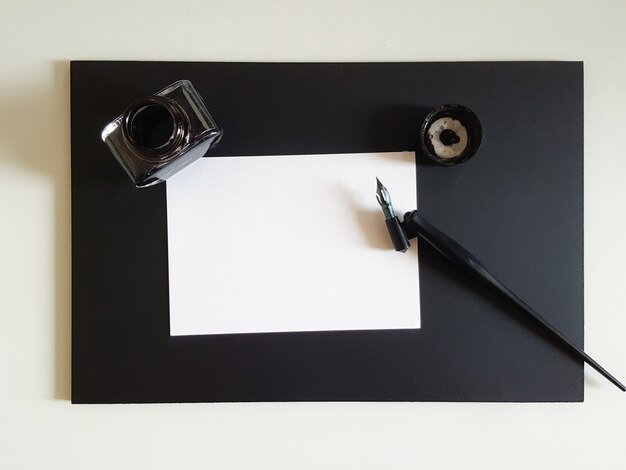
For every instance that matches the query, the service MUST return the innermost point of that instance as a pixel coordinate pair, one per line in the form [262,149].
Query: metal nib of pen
[382,195]
[396,232]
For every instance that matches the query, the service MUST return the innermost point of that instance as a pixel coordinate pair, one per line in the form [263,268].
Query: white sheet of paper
[289,243]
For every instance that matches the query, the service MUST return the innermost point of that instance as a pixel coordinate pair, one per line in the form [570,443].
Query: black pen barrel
[415,225]
[397,235]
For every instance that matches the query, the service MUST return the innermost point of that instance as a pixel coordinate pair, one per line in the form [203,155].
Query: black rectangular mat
[518,205]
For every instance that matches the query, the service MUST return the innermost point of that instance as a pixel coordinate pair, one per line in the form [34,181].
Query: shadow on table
[35,134]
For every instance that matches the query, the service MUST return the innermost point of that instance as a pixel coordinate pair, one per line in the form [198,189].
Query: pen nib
[379,186]
[382,195]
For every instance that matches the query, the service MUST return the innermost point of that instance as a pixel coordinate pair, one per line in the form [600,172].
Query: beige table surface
[40,429]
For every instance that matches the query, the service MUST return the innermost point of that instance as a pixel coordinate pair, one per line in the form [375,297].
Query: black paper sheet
[517,205]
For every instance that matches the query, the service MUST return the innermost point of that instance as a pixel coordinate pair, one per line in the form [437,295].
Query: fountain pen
[414,225]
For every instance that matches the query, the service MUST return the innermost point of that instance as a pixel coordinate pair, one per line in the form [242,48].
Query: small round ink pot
[451,134]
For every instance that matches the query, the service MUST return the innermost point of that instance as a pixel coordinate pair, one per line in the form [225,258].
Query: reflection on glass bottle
[159,135]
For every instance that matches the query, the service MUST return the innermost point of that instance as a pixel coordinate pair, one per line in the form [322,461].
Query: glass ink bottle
[159,135]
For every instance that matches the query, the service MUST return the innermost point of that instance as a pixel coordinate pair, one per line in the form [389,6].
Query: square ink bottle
[159,135]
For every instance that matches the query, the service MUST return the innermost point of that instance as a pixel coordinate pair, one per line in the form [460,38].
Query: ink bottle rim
[174,143]
[469,120]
